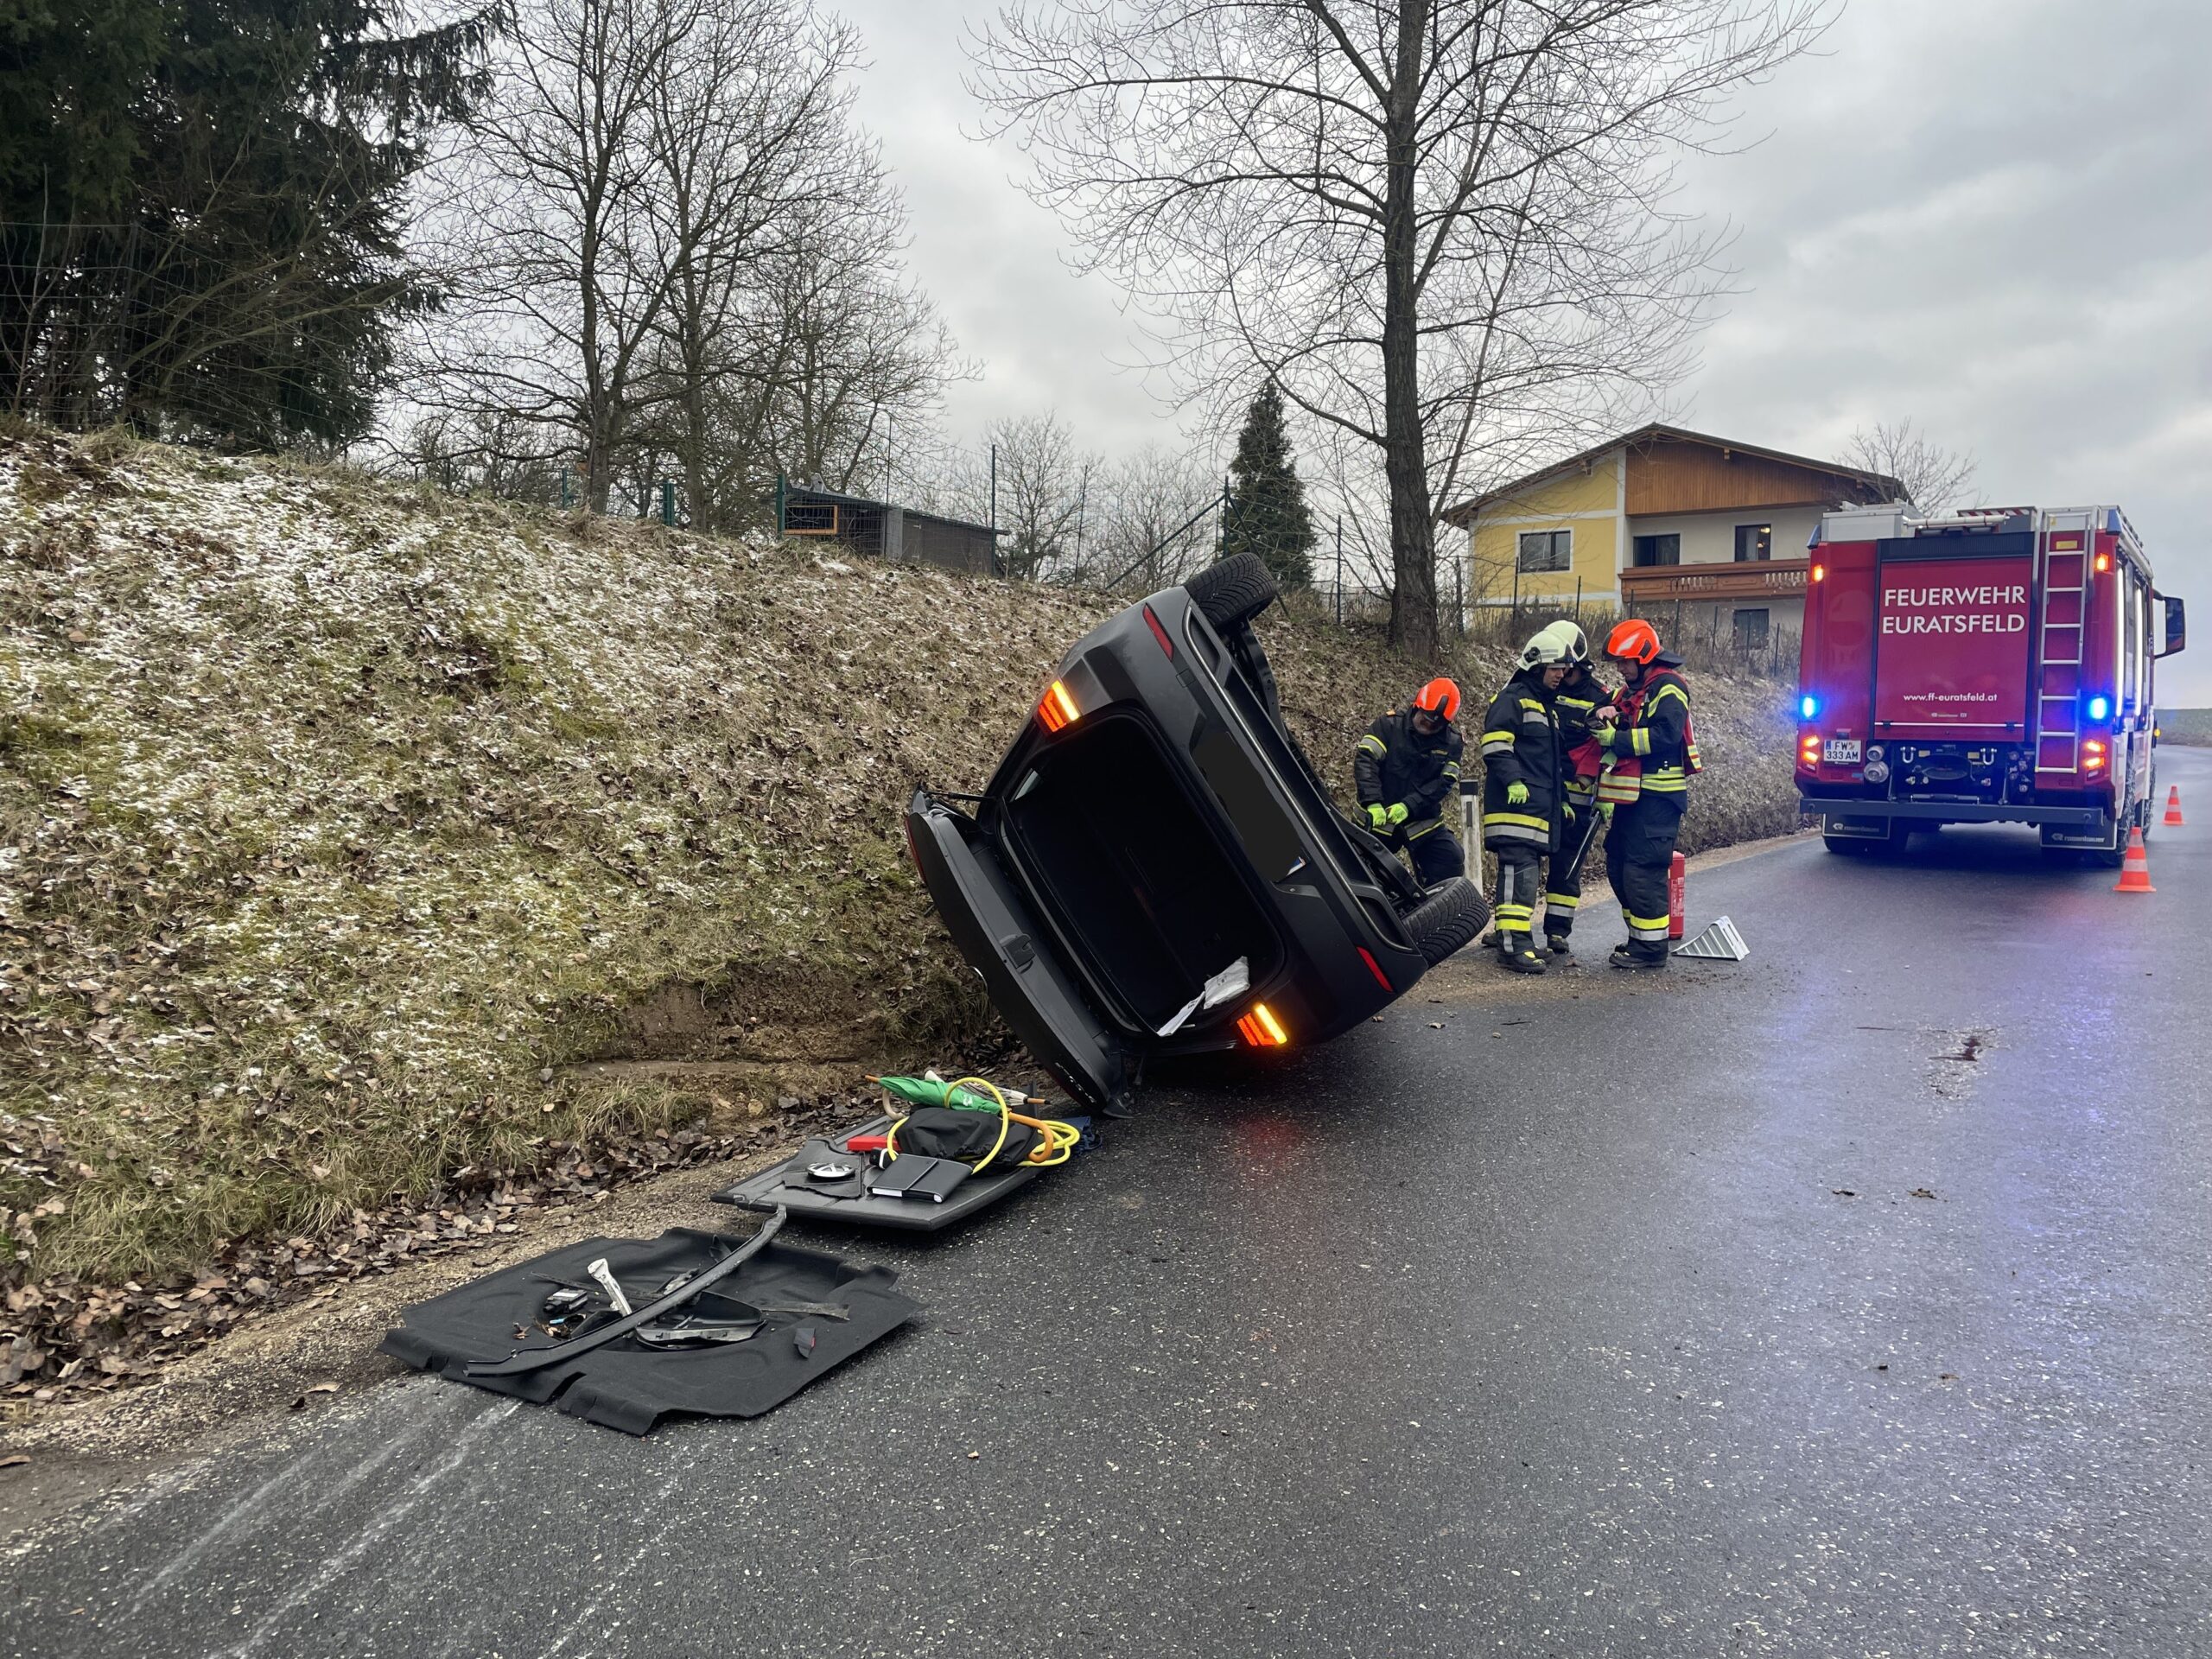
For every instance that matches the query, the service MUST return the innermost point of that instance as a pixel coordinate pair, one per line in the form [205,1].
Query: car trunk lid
[1034,991]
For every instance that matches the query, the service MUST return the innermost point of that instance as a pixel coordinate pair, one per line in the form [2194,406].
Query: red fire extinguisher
[1678,892]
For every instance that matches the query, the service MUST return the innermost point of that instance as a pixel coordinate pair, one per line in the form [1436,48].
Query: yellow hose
[1056,1146]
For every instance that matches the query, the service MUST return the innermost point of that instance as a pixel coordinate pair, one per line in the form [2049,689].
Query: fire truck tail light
[2093,755]
[1809,751]
[2104,563]
[1820,573]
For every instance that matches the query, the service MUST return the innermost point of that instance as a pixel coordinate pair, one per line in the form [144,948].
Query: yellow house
[1663,517]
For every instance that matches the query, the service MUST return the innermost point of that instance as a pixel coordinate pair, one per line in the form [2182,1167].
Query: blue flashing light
[2099,708]
[1808,706]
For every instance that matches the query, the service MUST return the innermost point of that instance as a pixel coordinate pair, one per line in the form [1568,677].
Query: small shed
[883,530]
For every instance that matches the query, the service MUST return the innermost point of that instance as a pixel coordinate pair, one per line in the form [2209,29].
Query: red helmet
[1633,641]
[1439,697]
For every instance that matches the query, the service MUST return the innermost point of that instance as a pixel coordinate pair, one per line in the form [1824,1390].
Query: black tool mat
[787,1185]
[628,1386]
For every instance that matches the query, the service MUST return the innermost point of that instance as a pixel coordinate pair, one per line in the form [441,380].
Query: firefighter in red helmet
[1406,768]
[1652,752]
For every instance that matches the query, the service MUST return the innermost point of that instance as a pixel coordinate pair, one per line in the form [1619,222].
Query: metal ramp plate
[1718,943]
[787,1184]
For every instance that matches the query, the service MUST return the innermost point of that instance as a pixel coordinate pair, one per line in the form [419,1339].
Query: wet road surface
[1851,1301]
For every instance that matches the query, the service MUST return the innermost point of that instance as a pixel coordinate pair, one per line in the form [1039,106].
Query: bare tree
[1438,224]
[1935,479]
[1044,484]
[675,253]
[1154,515]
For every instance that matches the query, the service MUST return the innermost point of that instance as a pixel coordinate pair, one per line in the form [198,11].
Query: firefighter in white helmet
[1521,793]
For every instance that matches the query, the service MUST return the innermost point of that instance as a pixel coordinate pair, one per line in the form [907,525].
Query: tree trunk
[1405,453]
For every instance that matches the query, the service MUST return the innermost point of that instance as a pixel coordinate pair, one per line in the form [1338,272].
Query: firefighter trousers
[1638,850]
[1434,851]
[1514,906]
[1563,887]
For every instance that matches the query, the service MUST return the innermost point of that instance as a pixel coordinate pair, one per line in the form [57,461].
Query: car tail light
[1057,707]
[1159,632]
[1261,1029]
[1374,967]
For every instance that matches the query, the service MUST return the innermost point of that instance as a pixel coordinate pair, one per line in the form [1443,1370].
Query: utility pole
[1340,570]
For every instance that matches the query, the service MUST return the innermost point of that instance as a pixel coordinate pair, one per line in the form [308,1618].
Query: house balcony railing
[1754,579]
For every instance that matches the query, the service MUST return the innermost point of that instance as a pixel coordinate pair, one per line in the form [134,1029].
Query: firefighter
[1521,793]
[1653,751]
[1582,696]
[1405,769]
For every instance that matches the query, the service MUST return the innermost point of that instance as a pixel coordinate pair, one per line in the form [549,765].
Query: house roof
[810,497]
[1464,510]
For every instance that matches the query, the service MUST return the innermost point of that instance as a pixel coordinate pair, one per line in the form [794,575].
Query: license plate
[1839,751]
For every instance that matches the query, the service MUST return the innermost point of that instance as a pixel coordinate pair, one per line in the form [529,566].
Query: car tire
[1232,593]
[1448,918]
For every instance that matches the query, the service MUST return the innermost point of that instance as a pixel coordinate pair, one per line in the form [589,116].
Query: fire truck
[1986,667]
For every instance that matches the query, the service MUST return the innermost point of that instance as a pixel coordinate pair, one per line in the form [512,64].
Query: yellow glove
[1378,816]
[1517,794]
[1398,813]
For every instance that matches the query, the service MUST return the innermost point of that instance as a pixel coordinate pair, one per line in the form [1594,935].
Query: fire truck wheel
[1844,845]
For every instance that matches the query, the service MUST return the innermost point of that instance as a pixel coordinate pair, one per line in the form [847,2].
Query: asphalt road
[1609,1318]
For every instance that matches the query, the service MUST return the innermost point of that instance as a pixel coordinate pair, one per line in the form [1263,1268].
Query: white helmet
[1545,649]
[1571,639]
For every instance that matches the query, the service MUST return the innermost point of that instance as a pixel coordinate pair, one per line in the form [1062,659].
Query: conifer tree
[1267,512]
[201,208]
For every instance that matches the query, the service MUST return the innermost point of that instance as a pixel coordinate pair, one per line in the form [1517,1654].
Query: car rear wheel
[1448,918]
[1232,593]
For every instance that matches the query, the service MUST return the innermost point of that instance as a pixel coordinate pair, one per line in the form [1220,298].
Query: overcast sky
[1993,217]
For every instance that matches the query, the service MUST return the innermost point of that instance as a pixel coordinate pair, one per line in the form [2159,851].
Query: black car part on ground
[524,1361]
[790,1186]
[630,1385]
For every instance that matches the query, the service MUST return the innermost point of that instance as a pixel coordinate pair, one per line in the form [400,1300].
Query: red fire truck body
[1991,666]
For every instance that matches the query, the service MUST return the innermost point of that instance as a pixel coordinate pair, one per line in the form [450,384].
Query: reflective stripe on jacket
[1520,746]
[1393,763]
[1654,746]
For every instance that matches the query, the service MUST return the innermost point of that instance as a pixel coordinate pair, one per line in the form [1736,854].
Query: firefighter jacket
[1521,745]
[1655,746]
[1581,694]
[1394,763]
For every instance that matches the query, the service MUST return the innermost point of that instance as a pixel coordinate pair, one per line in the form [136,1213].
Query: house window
[1754,541]
[1546,550]
[1750,630]
[1658,550]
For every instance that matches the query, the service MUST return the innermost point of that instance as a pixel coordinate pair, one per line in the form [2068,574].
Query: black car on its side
[1156,868]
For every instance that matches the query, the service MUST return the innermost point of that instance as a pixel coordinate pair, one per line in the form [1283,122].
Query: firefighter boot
[1641,956]
[1557,944]
[1519,953]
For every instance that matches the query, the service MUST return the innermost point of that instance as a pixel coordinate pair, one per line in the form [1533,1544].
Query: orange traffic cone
[2135,871]
[2172,820]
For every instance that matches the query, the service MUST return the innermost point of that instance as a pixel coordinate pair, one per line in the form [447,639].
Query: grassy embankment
[335,820]
[2192,727]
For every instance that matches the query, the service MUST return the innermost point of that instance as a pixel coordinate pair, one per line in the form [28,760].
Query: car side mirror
[2177,628]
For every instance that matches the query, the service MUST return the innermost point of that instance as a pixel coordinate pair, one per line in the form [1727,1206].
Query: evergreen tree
[202,204]
[1268,513]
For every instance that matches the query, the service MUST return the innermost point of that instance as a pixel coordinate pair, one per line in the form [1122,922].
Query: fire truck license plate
[1840,751]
